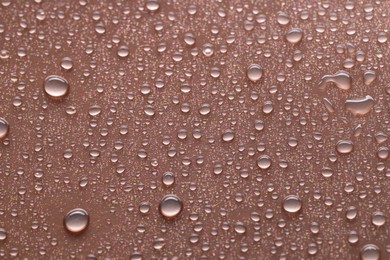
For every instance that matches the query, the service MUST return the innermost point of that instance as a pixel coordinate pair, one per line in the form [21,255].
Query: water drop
[292,204]
[168,179]
[152,5]
[56,87]
[369,77]
[344,146]
[254,72]
[264,162]
[378,218]
[76,221]
[3,234]
[228,135]
[294,35]
[67,63]
[370,252]
[170,206]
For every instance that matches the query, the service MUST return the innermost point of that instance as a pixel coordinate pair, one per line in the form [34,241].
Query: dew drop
[4,128]
[369,77]
[282,18]
[228,135]
[254,72]
[152,5]
[292,204]
[170,206]
[168,179]
[378,218]
[76,221]
[3,234]
[56,87]
[67,63]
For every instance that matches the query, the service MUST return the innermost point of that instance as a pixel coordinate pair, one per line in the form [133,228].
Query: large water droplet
[56,87]
[292,204]
[228,135]
[254,72]
[170,206]
[264,162]
[4,128]
[359,106]
[76,221]
[370,252]
[342,79]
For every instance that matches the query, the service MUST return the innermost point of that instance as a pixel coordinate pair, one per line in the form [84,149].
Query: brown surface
[32,209]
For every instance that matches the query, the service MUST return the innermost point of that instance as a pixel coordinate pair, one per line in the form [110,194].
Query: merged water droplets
[170,206]
[56,87]
[359,106]
[76,221]
[341,79]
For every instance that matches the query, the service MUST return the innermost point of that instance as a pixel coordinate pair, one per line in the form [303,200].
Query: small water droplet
[168,179]
[228,135]
[56,87]
[369,77]
[344,146]
[264,162]
[66,63]
[294,35]
[76,221]
[3,234]
[152,5]
[170,206]
[378,218]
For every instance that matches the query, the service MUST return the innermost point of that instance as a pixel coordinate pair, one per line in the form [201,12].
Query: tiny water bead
[292,204]
[170,206]
[56,87]
[76,220]
[4,128]
[344,146]
[254,72]
[370,252]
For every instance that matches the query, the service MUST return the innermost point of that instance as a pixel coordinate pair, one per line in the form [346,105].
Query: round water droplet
[56,87]
[370,252]
[264,162]
[254,72]
[4,128]
[170,206]
[282,18]
[292,204]
[344,146]
[76,221]
[294,35]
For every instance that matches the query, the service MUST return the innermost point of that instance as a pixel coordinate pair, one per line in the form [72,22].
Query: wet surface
[194,129]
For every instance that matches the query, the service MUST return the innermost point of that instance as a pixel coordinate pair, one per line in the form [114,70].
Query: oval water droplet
[170,206]
[3,234]
[359,106]
[369,77]
[56,86]
[228,135]
[344,146]
[264,162]
[67,63]
[76,221]
[168,179]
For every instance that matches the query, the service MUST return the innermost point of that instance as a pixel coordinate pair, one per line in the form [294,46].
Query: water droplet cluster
[194,129]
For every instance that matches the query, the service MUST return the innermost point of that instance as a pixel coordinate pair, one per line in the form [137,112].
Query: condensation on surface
[234,129]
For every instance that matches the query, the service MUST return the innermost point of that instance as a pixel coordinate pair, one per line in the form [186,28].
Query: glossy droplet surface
[292,204]
[67,63]
[359,106]
[170,206]
[264,162]
[254,72]
[168,179]
[56,87]
[4,128]
[3,234]
[76,220]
